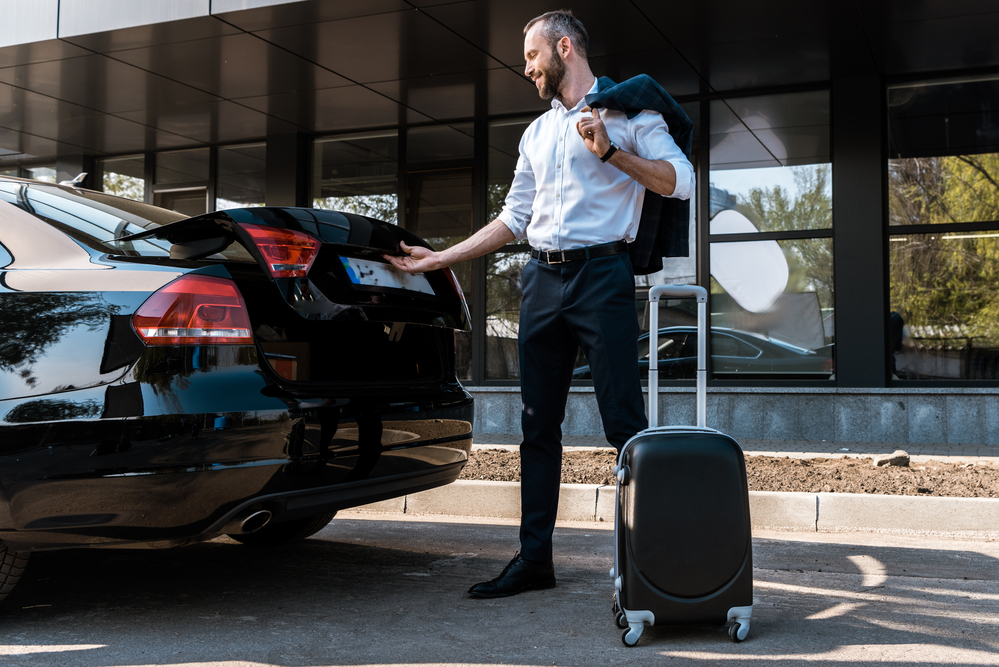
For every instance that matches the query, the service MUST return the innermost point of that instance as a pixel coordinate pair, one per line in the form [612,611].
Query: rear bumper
[170,479]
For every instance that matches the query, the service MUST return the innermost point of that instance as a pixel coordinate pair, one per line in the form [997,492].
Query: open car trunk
[342,313]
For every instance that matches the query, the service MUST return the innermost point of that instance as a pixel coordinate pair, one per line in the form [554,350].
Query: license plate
[378,274]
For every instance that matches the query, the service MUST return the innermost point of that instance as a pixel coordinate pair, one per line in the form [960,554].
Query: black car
[734,354]
[248,372]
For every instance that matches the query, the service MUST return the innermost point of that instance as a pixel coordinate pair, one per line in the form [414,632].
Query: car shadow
[375,592]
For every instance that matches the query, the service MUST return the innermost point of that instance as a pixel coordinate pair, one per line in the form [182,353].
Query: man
[577,197]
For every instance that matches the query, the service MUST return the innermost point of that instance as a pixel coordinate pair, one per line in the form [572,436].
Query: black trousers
[588,304]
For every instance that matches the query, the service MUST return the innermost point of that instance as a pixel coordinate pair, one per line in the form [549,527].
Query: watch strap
[610,151]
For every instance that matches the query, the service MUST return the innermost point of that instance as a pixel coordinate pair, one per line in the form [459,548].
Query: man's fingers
[596,114]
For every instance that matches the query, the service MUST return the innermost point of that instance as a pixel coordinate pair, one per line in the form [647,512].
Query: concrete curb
[803,512]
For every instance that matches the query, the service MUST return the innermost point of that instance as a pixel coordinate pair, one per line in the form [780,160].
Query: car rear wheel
[285,532]
[12,566]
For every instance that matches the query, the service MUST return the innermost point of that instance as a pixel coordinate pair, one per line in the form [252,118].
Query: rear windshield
[98,221]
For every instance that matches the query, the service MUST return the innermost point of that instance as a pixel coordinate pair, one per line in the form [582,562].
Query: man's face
[544,64]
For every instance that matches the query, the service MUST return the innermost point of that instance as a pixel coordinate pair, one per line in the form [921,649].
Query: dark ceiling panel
[498,27]
[103,84]
[37,52]
[333,110]
[202,27]
[759,63]
[73,128]
[232,66]
[281,15]
[907,11]
[386,47]
[29,145]
[665,66]
[213,122]
[722,21]
[454,95]
[920,46]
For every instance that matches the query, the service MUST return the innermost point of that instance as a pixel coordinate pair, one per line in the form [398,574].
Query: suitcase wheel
[631,635]
[737,632]
[621,620]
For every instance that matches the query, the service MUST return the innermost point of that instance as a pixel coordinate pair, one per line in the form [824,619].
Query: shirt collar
[582,102]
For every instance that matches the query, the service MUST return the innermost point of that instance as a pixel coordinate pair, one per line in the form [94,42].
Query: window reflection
[943,179]
[242,176]
[801,315]
[125,177]
[358,173]
[772,284]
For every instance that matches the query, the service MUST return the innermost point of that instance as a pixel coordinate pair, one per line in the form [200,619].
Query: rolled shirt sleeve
[519,205]
[652,141]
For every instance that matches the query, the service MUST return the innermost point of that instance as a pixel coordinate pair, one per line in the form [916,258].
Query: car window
[675,346]
[98,221]
[723,345]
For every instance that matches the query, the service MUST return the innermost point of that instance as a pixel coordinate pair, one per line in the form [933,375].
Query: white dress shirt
[564,197]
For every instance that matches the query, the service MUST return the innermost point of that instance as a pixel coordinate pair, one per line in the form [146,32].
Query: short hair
[559,24]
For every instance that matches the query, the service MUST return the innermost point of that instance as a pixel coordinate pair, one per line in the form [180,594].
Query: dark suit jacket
[663,230]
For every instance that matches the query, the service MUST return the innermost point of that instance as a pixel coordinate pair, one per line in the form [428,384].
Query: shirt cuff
[515,229]
[684,187]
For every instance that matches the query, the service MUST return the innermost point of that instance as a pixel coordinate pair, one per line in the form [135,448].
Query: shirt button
[557,195]
[558,166]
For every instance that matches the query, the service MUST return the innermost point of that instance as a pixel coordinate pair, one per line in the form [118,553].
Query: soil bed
[766,473]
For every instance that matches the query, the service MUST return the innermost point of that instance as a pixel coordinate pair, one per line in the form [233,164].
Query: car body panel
[108,442]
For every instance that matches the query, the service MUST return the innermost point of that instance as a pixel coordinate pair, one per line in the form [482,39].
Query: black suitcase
[683,549]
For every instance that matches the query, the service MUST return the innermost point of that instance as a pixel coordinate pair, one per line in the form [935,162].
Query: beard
[554,73]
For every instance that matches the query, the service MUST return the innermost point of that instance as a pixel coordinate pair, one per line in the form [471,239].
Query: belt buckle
[561,256]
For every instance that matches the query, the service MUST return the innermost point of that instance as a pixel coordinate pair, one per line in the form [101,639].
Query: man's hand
[594,133]
[417,260]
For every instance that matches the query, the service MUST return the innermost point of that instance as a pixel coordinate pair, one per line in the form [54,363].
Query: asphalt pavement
[371,590]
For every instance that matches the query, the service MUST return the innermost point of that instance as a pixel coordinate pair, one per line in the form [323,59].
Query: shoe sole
[540,586]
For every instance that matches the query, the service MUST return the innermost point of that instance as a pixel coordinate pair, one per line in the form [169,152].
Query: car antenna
[76,181]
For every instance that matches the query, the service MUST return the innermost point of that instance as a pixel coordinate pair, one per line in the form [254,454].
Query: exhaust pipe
[246,522]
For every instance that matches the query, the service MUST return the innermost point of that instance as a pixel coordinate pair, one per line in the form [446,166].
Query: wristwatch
[610,151]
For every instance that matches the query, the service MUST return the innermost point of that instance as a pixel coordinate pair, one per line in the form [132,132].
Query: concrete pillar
[859,153]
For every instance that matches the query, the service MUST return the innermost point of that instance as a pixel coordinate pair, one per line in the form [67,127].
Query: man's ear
[564,47]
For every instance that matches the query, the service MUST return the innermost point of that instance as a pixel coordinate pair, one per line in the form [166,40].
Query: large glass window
[438,200]
[503,268]
[42,172]
[125,177]
[943,176]
[242,176]
[358,173]
[181,181]
[770,232]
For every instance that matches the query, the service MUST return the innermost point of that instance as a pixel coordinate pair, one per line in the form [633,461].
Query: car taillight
[288,254]
[453,279]
[194,310]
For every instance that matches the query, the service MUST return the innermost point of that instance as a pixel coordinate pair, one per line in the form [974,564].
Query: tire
[12,566]
[287,532]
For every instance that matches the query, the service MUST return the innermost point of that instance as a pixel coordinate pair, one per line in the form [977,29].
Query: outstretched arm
[659,176]
[418,259]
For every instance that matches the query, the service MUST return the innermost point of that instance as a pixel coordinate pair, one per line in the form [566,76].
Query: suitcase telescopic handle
[678,292]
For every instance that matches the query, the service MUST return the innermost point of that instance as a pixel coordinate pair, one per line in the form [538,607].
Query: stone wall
[956,416]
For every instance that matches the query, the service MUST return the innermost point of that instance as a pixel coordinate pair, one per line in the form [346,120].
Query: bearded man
[577,196]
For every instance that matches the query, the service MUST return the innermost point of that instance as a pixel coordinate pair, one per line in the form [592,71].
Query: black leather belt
[577,254]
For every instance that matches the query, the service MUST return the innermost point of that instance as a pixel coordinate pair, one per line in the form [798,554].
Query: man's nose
[528,69]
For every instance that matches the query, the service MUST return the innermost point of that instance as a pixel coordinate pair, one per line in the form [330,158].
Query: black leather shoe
[520,575]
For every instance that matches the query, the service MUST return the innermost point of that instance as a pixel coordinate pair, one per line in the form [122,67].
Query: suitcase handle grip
[678,292]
